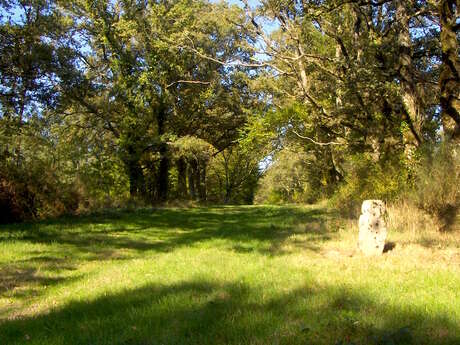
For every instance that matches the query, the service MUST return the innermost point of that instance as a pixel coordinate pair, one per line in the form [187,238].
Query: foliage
[289,178]
[49,173]
[113,87]
[437,188]
[192,148]
[368,179]
[30,187]
[233,175]
[145,88]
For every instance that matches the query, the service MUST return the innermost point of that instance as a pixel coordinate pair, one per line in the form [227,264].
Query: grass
[224,275]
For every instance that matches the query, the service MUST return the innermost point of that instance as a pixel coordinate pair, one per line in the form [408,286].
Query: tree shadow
[436,240]
[14,277]
[206,312]
[26,278]
[164,230]
[127,235]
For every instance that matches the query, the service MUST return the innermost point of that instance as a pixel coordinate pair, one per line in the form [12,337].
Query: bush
[367,179]
[29,195]
[17,202]
[437,188]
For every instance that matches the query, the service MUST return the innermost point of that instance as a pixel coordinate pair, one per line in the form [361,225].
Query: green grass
[223,275]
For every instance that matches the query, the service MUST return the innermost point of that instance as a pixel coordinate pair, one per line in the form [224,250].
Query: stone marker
[372,227]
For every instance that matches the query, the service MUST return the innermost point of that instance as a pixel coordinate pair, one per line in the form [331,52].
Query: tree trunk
[411,95]
[136,178]
[450,69]
[338,57]
[228,194]
[196,180]
[357,31]
[203,182]
[163,174]
[181,177]
[163,169]
[191,178]
[332,176]
[228,187]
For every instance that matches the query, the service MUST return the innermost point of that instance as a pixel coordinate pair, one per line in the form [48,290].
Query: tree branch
[188,82]
[316,142]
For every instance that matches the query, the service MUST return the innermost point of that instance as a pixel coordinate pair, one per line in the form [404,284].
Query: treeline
[109,102]
[103,101]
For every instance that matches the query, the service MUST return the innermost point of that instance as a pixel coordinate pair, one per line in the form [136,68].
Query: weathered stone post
[372,227]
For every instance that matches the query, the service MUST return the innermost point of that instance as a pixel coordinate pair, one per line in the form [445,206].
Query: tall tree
[362,70]
[450,69]
[142,85]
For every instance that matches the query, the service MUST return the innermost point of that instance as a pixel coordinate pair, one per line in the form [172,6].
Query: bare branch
[188,82]
[316,142]
[236,62]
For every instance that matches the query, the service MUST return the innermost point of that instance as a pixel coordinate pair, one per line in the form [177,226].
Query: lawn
[224,275]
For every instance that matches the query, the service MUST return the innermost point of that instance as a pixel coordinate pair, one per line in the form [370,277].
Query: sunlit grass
[224,275]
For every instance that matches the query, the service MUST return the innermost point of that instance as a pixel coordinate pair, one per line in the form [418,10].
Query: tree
[449,77]
[234,173]
[192,156]
[357,76]
[35,55]
[142,86]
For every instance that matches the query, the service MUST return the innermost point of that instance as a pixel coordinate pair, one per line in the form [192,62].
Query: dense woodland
[114,103]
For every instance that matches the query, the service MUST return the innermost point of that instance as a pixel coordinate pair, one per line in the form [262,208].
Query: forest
[114,103]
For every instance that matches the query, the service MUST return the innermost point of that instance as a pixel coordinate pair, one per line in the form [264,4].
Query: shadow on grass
[203,312]
[126,235]
[166,229]
[436,241]
[27,279]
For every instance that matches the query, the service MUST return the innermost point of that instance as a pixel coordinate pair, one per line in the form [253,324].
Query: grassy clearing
[224,275]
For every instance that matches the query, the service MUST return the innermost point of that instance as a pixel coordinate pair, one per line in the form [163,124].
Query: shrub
[17,202]
[368,179]
[437,188]
[28,195]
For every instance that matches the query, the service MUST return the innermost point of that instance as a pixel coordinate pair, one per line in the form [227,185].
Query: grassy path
[223,275]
